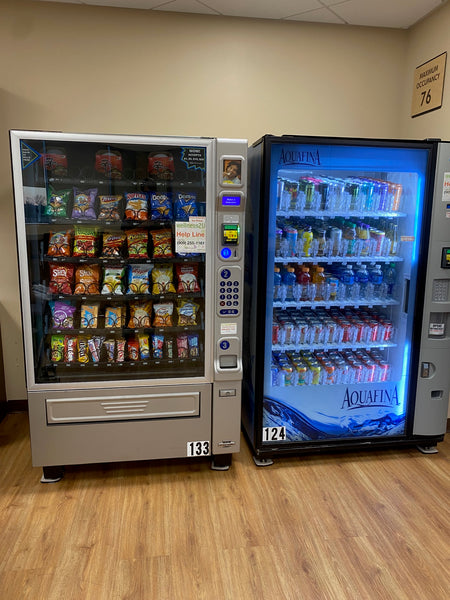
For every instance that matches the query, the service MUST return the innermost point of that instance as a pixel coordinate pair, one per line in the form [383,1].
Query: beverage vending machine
[347,294]
[131,275]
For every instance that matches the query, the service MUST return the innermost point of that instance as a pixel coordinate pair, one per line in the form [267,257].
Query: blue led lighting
[225,253]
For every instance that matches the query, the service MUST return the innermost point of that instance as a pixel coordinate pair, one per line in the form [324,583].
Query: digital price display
[230,234]
[231,200]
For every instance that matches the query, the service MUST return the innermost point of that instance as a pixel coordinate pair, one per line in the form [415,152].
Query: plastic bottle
[390,278]
[322,242]
[376,279]
[289,281]
[350,236]
[277,284]
[318,279]
[308,237]
[362,278]
[304,280]
[392,234]
[347,277]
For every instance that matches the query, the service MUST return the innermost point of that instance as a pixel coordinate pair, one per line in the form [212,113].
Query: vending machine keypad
[229,291]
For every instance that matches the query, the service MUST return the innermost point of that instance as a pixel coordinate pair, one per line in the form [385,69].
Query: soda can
[274,373]
[329,372]
[388,330]
[335,239]
[275,333]
[395,194]
[289,332]
[302,372]
[370,367]
[288,373]
[291,235]
[384,371]
[315,369]
[372,331]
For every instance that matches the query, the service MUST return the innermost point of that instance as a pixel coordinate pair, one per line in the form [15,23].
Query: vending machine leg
[221,462]
[52,474]
[262,462]
[428,449]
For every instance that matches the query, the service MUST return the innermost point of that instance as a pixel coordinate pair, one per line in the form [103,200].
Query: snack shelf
[93,331]
[140,364]
[119,260]
[124,297]
[135,184]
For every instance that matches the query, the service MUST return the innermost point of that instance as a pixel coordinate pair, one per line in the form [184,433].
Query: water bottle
[348,279]
[277,284]
[376,279]
[289,281]
[390,278]
[362,278]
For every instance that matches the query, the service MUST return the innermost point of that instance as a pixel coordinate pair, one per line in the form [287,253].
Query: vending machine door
[113,235]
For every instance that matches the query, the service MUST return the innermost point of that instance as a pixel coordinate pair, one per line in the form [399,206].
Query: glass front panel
[344,238]
[112,295]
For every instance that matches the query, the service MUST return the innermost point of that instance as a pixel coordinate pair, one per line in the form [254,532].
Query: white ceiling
[370,13]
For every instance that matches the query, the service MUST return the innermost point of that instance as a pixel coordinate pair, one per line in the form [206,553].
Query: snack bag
[137,240]
[61,278]
[133,350]
[57,348]
[182,346]
[161,165]
[157,346]
[59,243]
[95,347]
[83,204]
[109,208]
[185,206]
[136,206]
[62,314]
[115,316]
[113,244]
[187,312]
[83,349]
[85,241]
[89,316]
[87,280]
[193,344]
[161,206]
[70,348]
[110,346]
[112,280]
[57,203]
[162,278]
[54,161]
[138,279]
[163,315]
[120,346]
[144,345]
[109,163]
[140,314]
[162,243]
[187,275]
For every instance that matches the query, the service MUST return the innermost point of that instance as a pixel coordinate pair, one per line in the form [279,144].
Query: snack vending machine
[131,275]
[347,292]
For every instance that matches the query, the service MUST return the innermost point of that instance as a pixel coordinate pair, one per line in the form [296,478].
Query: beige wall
[428,39]
[81,68]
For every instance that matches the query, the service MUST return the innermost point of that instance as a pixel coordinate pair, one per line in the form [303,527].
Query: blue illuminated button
[225,273]
[225,253]
[224,345]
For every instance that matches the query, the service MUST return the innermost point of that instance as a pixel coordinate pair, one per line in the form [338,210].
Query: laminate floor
[354,526]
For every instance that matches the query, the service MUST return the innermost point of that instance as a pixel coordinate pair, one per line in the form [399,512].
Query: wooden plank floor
[356,526]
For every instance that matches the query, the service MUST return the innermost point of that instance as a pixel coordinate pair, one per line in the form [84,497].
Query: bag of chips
[109,163]
[110,346]
[163,315]
[187,312]
[133,350]
[83,204]
[138,279]
[187,275]
[62,314]
[112,281]
[109,208]
[161,206]
[113,244]
[136,206]
[193,344]
[57,348]
[140,314]
[115,316]
[182,346]
[57,203]
[95,347]
[61,278]
[185,206]
[162,243]
[59,243]
[162,278]
[120,347]
[83,349]
[89,316]
[85,242]
[144,345]
[137,240]
[87,280]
